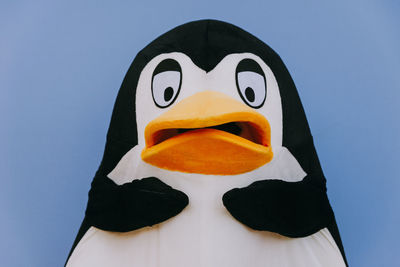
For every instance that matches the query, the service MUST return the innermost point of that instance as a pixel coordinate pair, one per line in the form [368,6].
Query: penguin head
[209,98]
[215,122]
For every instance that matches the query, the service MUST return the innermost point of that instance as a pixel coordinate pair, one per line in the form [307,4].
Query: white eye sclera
[252,87]
[251,83]
[166,87]
[166,82]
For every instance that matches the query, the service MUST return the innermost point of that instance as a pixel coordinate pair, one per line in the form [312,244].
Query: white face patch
[151,103]
[221,79]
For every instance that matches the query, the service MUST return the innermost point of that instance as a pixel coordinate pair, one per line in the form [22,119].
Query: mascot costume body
[209,162]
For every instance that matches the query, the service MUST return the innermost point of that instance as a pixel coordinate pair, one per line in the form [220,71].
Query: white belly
[203,235]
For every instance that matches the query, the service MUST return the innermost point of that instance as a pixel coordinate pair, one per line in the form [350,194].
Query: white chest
[203,235]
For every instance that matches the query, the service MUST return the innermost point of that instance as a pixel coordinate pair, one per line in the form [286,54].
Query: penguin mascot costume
[209,162]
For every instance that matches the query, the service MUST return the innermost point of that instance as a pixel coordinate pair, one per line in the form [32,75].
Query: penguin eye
[251,83]
[166,82]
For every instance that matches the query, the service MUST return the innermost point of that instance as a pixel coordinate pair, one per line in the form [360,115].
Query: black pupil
[168,93]
[249,92]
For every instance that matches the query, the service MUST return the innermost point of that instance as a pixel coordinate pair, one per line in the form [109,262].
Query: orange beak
[209,133]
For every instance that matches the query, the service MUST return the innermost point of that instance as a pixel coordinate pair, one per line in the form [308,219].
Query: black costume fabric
[264,205]
[123,208]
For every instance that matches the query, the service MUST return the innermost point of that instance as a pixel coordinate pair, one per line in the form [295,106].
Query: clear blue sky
[61,66]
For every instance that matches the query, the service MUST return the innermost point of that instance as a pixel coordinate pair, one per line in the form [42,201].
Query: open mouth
[242,129]
[208,133]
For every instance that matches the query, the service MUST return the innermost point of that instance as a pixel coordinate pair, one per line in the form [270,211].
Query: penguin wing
[292,209]
[127,207]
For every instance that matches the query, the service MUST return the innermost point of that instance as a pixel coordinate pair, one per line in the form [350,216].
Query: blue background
[61,66]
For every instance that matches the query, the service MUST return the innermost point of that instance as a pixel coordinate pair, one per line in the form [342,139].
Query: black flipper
[127,207]
[292,209]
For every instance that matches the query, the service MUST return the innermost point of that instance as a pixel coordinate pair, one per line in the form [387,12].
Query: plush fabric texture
[303,209]
[133,205]
[265,205]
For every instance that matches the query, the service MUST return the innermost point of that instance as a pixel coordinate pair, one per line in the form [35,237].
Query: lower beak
[208,133]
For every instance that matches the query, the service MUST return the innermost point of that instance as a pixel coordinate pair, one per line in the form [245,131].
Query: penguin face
[225,121]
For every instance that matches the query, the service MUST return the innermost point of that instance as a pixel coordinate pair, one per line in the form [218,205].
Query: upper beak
[210,133]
